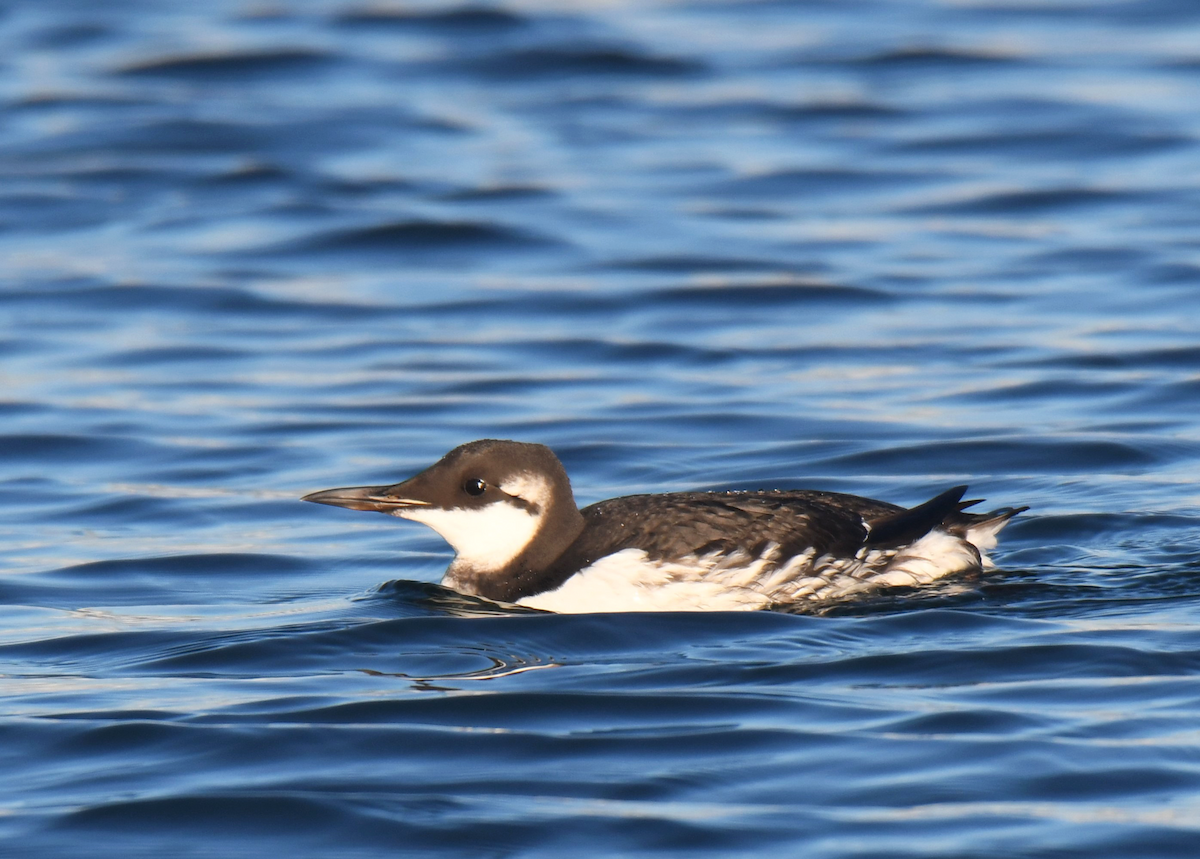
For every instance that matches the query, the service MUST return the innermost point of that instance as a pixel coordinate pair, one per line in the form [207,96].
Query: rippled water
[252,250]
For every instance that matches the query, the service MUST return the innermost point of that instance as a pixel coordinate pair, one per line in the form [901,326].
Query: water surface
[254,250]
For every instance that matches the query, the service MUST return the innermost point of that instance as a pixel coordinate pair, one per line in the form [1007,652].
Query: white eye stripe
[532,488]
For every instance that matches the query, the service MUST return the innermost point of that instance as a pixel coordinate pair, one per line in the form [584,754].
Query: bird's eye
[474,486]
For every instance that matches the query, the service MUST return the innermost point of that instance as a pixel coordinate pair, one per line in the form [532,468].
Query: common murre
[507,509]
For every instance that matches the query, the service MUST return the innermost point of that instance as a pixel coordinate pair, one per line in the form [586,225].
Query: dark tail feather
[964,522]
[914,523]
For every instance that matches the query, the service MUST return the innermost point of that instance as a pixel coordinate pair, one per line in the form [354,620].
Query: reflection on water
[251,251]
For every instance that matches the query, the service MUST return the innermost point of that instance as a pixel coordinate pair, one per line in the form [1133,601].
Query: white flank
[984,537]
[935,555]
[629,581]
[483,538]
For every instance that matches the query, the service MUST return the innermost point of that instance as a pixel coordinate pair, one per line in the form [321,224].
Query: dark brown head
[505,506]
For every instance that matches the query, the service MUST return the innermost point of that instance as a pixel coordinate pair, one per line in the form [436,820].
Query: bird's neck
[520,576]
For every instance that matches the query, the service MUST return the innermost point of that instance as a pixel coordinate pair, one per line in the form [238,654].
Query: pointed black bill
[378,498]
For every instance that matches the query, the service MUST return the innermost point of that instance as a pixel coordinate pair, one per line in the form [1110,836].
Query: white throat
[491,537]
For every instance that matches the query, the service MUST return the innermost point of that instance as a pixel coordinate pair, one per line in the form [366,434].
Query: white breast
[629,581]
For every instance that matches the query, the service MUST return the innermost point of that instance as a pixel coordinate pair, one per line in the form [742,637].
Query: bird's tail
[946,511]
[980,529]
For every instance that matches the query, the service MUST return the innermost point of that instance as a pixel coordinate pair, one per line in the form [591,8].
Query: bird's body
[507,509]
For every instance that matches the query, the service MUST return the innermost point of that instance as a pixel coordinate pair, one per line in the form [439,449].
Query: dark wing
[703,523]
[905,526]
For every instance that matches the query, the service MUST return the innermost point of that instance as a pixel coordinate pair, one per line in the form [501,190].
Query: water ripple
[254,251]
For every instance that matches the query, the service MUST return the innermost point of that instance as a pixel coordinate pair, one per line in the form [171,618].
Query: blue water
[251,250]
